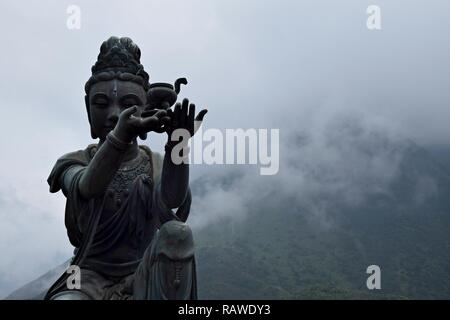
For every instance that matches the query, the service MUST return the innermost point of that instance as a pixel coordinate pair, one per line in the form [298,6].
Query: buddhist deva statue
[127,205]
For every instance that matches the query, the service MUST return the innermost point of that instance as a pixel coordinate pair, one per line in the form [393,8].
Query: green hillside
[280,251]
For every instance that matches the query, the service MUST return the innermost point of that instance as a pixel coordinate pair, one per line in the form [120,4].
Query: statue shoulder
[83,155]
[80,157]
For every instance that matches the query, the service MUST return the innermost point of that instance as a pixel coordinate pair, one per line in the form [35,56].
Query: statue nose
[114,114]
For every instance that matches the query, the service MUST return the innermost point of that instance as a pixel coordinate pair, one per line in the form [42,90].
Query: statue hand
[131,123]
[179,118]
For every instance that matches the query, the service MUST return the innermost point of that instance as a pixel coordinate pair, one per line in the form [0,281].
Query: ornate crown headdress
[119,58]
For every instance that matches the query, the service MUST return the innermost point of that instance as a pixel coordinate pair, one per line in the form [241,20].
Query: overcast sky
[253,64]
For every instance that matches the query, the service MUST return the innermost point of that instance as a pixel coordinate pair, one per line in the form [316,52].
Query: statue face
[107,99]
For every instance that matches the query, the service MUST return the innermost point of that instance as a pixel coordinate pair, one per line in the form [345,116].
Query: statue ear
[86,102]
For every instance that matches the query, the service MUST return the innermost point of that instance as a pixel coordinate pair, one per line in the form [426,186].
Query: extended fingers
[150,123]
[149,113]
[128,112]
[191,113]
[166,120]
[176,115]
[184,111]
[160,114]
[201,114]
[155,118]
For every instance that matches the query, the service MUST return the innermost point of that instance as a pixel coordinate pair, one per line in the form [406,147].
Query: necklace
[119,188]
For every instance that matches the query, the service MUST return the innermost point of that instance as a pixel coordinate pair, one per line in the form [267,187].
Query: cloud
[341,159]
[310,68]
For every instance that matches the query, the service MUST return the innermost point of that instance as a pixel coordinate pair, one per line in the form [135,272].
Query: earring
[93,135]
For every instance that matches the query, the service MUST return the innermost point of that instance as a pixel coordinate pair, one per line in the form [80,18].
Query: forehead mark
[115,88]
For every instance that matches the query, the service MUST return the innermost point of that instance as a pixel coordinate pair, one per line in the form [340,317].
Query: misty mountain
[285,248]
[344,199]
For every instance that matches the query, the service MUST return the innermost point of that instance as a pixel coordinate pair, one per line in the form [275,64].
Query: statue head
[118,82]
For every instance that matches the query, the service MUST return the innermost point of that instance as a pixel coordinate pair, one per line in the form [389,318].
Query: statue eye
[100,102]
[130,100]
[129,103]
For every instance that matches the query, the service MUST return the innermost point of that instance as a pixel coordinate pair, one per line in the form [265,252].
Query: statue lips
[108,128]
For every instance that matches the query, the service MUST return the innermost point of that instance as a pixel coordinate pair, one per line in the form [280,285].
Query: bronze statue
[121,196]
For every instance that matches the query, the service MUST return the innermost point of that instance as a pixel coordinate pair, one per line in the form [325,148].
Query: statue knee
[70,295]
[175,241]
[175,265]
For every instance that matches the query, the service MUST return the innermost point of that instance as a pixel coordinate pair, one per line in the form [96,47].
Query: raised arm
[118,142]
[174,181]
[103,167]
[175,175]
